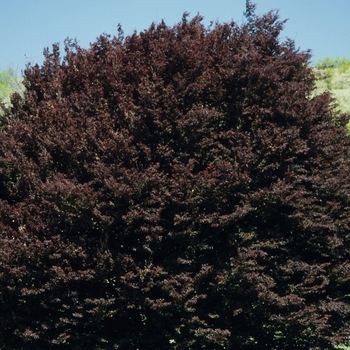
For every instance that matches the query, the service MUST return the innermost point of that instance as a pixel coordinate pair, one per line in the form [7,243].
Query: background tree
[9,83]
[175,189]
[334,75]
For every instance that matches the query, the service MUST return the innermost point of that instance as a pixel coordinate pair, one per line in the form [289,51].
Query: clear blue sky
[28,26]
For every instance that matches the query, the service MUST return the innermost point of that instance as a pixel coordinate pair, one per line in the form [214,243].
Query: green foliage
[333,75]
[341,65]
[175,189]
[9,84]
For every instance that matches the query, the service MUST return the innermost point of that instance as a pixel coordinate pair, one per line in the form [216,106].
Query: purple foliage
[175,189]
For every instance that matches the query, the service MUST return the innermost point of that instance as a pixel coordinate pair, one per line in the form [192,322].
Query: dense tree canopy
[175,189]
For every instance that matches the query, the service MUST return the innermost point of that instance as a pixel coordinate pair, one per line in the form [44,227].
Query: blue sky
[28,26]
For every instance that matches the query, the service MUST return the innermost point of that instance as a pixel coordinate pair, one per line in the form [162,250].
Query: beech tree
[179,188]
